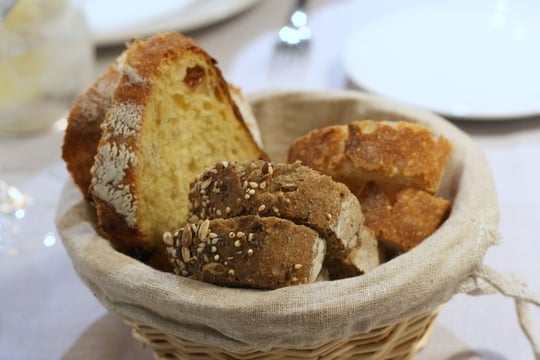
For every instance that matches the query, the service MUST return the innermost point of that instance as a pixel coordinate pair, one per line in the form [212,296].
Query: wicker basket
[399,341]
[385,314]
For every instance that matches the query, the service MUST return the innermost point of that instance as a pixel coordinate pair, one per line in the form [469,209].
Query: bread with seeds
[288,191]
[393,154]
[171,116]
[247,251]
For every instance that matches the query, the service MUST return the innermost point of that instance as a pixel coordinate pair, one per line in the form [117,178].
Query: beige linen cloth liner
[447,263]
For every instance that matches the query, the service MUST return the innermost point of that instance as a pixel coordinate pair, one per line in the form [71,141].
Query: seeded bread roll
[83,129]
[247,251]
[288,191]
[403,221]
[393,154]
[171,116]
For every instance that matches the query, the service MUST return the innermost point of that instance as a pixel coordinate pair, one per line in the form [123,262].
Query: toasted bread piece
[396,153]
[171,117]
[402,222]
[287,191]
[83,129]
[247,251]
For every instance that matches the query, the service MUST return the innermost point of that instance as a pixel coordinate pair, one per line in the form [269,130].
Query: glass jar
[46,59]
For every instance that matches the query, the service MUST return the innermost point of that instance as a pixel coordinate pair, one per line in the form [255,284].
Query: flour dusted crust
[171,116]
[287,191]
[247,251]
[395,153]
[83,129]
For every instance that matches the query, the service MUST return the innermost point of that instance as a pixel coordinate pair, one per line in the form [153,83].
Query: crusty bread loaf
[403,221]
[171,116]
[288,191]
[83,129]
[394,168]
[392,153]
[247,251]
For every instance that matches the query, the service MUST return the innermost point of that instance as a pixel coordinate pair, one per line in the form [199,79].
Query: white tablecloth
[47,313]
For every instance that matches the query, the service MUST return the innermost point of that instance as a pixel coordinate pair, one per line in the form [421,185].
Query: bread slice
[391,153]
[171,116]
[247,251]
[288,191]
[402,222]
[83,129]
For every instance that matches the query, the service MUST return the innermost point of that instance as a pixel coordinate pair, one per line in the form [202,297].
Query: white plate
[465,59]
[114,22]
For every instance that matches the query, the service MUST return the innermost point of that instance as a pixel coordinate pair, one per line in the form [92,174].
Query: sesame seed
[214,241]
[232,235]
[168,238]
[186,255]
[206,183]
[231,272]
[218,212]
[186,237]
[237,243]
[200,250]
[213,249]
[297,266]
[203,229]
[251,236]
[253,185]
[262,185]
[225,164]
[261,208]
[216,257]
[250,252]
[227,210]
[240,234]
[329,216]
[247,196]
[251,191]
[245,183]
[212,235]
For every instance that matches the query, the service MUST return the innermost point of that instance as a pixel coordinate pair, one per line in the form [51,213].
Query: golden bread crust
[400,153]
[402,222]
[247,251]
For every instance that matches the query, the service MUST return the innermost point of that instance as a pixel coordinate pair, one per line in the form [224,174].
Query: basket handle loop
[511,286]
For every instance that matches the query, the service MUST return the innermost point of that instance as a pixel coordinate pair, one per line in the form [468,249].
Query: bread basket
[384,314]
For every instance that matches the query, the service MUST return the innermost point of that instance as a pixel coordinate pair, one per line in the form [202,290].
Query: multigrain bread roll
[288,191]
[171,116]
[391,153]
[83,129]
[394,168]
[247,251]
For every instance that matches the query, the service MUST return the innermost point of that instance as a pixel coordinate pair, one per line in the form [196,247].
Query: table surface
[47,313]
